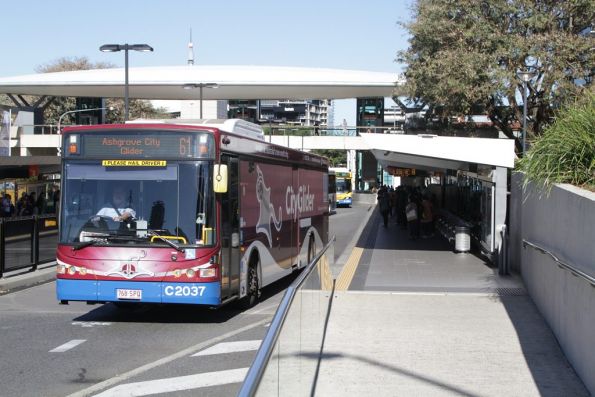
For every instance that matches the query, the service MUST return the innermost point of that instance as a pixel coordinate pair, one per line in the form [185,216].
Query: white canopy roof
[233,82]
[435,152]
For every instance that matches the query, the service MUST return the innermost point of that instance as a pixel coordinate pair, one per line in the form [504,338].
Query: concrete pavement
[420,320]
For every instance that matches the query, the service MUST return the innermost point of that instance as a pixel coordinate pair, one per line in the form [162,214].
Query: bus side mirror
[220,178]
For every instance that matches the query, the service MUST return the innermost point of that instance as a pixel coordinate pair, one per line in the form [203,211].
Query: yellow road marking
[348,271]
[325,274]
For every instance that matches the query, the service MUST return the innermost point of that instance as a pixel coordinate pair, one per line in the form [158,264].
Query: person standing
[412,215]
[427,218]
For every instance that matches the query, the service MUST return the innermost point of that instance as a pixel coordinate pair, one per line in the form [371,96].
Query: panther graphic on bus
[267,210]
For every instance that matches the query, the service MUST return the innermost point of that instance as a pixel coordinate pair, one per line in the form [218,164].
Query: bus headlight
[190,273]
[177,273]
[61,269]
[72,270]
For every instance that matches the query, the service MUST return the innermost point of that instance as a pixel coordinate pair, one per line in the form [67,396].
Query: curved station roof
[231,82]
[268,82]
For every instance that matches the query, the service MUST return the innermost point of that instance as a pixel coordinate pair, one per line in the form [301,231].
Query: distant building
[313,112]
[191,109]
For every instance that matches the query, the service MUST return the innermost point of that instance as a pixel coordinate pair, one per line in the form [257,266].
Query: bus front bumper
[138,292]
[345,201]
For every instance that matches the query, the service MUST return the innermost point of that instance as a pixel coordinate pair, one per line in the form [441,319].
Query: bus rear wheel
[253,286]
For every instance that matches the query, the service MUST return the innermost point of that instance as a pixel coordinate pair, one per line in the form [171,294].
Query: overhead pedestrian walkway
[413,318]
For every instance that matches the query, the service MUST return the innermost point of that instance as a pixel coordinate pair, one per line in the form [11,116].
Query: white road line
[258,310]
[182,353]
[179,383]
[67,346]
[230,347]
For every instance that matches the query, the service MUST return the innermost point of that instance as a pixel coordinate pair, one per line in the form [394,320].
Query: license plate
[134,294]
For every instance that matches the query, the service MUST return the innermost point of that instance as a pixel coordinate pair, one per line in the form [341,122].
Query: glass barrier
[27,241]
[18,251]
[48,238]
[288,360]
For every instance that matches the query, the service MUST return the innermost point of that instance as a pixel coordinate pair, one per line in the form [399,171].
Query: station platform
[413,318]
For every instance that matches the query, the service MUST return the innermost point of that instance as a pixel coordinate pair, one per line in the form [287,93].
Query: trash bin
[462,239]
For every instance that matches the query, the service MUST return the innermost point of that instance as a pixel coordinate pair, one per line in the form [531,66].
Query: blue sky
[362,35]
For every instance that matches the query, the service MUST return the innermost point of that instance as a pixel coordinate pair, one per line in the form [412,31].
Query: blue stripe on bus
[157,292]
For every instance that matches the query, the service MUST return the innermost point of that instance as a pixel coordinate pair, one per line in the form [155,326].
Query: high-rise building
[312,112]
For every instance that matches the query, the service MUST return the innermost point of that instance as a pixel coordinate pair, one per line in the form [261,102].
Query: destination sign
[147,144]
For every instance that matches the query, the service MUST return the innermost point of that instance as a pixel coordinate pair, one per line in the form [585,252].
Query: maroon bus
[181,212]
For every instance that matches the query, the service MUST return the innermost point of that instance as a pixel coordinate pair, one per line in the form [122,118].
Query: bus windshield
[115,205]
[343,185]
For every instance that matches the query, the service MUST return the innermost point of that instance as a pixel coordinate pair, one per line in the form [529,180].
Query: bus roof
[234,126]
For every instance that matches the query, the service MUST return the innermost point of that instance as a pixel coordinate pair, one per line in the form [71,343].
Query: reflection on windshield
[134,205]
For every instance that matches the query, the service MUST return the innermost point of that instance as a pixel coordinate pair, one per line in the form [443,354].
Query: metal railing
[572,269]
[270,344]
[327,131]
[37,129]
[37,233]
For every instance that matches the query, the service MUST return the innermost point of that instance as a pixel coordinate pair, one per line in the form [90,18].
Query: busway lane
[65,350]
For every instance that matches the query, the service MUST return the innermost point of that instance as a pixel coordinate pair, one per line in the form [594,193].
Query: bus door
[230,230]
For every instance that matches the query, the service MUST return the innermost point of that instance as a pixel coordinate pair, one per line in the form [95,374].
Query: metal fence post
[2,249]
[503,251]
[35,243]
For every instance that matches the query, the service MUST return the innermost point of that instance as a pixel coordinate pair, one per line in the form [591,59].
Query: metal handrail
[562,264]
[256,371]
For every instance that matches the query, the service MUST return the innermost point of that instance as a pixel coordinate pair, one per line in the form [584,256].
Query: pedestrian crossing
[230,347]
[180,383]
[193,381]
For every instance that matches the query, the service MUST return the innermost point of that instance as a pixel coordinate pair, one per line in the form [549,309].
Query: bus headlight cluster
[71,270]
[191,273]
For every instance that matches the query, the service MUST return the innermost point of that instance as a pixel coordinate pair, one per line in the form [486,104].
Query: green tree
[464,56]
[336,157]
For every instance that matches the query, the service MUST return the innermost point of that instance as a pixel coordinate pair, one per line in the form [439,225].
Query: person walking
[384,204]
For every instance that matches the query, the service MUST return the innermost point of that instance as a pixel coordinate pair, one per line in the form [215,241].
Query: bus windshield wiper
[84,244]
[165,240]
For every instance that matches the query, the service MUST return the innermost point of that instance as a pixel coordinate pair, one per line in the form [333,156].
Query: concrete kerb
[18,280]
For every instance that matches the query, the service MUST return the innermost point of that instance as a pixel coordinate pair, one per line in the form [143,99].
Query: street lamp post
[200,86]
[79,111]
[525,76]
[125,48]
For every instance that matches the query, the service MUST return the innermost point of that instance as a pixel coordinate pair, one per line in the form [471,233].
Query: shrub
[565,153]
